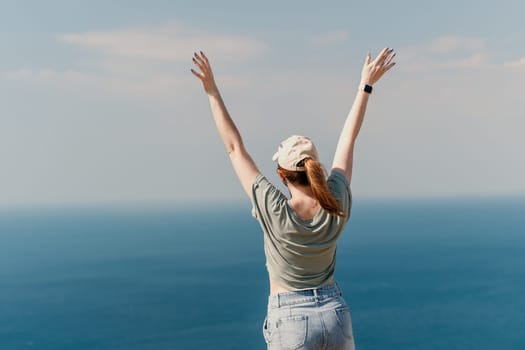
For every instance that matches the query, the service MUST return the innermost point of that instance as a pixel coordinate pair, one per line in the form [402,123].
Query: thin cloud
[45,75]
[446,52]
[157,86]
[141,61]
[447,44]
[519,63]
[73,79]
[164,43]
[332,38]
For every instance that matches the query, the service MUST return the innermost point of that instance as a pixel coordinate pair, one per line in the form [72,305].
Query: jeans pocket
[266,331]
[345,321]
[292,331]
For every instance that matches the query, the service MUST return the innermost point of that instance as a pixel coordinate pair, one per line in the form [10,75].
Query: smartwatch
[366,88]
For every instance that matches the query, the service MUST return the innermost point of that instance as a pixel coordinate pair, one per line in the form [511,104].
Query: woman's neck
[303,202]
[300,192]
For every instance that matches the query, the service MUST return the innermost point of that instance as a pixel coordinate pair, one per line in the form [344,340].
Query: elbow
[234,147]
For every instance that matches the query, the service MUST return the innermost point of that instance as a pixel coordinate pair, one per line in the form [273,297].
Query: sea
[417,274]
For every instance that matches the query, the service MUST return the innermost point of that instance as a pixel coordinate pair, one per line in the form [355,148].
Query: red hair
[314,177]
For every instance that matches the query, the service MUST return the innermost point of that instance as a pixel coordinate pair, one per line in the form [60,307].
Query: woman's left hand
[374,70]
[205,74]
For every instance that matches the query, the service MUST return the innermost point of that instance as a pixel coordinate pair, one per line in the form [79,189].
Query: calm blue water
[417,275]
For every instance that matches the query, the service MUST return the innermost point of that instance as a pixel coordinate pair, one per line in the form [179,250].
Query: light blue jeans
[309,319]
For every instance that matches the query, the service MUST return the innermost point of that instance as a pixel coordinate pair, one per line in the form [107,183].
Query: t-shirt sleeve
[267,200]
[340,188]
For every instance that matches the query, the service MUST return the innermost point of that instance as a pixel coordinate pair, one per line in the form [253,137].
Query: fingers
[197,74]
[201,59]
[390,65]
[384,55]
[387,61]
[205,58]
[384,59]
[198,61]
[202,62]
[389,56]
[198,58]
[202,67]
[381,56]
[368,58]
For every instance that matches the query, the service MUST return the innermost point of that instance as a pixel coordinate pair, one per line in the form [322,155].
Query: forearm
[224,123]
[355,117]
[352,124]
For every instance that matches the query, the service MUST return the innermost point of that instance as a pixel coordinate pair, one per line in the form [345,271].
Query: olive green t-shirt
[300,254]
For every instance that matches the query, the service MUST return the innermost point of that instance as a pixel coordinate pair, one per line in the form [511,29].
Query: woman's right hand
[205,75]
[374,70]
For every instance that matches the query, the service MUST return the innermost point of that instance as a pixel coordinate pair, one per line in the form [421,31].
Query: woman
[306,309]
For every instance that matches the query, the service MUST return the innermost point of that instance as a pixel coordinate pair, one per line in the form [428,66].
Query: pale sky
[98,105]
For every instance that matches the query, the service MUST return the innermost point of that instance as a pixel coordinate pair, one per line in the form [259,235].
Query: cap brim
[275,156]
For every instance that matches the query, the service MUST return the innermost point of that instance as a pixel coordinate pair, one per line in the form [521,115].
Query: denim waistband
[304,296]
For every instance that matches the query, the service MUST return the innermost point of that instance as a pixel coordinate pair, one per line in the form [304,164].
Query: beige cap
[294,149]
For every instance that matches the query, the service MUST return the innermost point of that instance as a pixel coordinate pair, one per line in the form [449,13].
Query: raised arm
[243,164]
[371,73]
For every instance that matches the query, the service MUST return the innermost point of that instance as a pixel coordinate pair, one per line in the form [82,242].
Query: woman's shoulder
[267,199]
